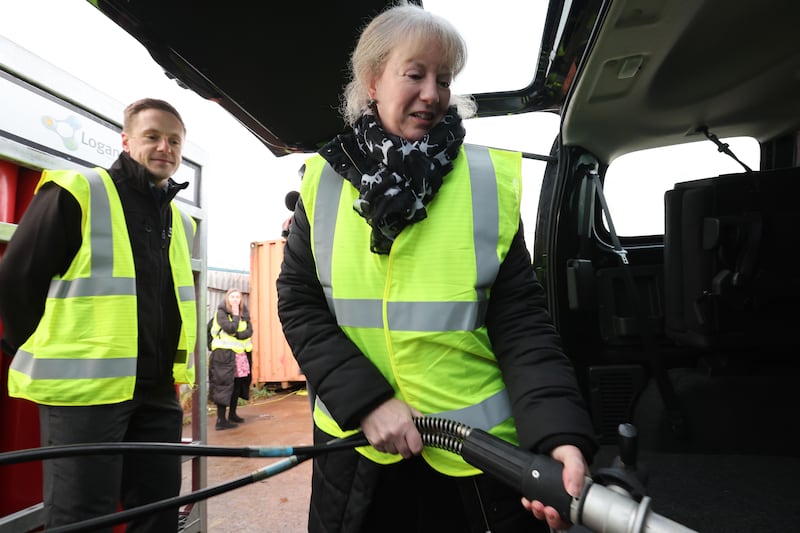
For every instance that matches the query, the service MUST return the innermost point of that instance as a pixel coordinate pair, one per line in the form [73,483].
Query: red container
[26,185]
[21,483]
[8,190]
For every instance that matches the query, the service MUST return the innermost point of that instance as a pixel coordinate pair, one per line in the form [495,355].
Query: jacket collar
[126,169]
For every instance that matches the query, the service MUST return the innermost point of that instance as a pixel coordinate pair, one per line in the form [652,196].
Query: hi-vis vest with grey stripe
[221,339]
[397,323]
[84,350]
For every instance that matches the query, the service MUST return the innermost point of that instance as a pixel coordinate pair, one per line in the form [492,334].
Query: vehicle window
[503,49]
[635,183]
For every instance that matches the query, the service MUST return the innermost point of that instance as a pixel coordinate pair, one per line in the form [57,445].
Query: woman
[418,297]
[229,373]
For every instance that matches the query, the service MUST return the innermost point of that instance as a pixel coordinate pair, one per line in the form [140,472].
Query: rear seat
[730,280]
[732,294]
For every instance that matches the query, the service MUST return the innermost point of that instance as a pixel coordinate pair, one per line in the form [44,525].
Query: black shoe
[236,418]
[225,424]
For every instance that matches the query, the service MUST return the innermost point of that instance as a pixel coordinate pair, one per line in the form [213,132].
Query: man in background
[97,300]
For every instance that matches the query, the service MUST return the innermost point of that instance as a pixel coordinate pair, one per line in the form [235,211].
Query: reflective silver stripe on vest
[186,293]
[411,316]
[356,313]
[101,281]
[415,316]
[188,230]
[70,368]
[325,211]
[75,288]
[227,343]
[484,415]
[485,218]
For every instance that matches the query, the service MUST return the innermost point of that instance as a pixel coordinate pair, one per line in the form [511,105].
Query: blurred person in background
[230,363]
[291,201]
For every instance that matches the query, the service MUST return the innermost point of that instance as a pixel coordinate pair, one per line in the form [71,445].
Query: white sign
[37,118]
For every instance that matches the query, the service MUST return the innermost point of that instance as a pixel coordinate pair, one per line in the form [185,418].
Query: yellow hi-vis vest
[222,340]
[84,350]
[419,313]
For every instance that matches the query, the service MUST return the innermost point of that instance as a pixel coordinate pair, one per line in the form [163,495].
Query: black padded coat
[527,346]
[222,363]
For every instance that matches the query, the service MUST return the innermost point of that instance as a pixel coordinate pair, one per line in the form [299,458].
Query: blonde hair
[381,36]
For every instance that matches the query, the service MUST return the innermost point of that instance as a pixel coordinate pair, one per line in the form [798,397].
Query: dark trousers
[79,488]
[411,496]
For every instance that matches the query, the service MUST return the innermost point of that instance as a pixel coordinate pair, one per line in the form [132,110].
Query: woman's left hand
[574,475]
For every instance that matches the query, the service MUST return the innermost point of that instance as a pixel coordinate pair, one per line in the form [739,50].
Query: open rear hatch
[279,67]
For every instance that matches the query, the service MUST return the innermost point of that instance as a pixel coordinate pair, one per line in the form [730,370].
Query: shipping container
[273,361]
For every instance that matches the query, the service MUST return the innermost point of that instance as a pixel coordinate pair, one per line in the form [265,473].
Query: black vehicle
[685,331]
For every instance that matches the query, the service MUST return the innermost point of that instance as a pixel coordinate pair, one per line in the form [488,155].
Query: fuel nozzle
[538,477]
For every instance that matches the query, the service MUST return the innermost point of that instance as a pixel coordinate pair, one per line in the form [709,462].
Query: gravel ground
[277,504]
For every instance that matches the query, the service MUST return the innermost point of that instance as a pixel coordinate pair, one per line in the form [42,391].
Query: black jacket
[47,239]
[222,362]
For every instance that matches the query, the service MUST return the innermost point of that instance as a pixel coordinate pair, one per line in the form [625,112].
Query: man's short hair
[149,103]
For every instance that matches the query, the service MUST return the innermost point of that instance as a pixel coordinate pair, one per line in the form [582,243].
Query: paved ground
[277,504]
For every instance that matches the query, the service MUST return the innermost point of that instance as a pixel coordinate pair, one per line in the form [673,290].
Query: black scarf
[396,178]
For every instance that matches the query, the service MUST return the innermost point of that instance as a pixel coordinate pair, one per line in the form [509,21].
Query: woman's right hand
[573,476]
[390,428]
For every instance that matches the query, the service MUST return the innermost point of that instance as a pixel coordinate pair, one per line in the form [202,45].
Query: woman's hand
[574,475]
[390,428]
